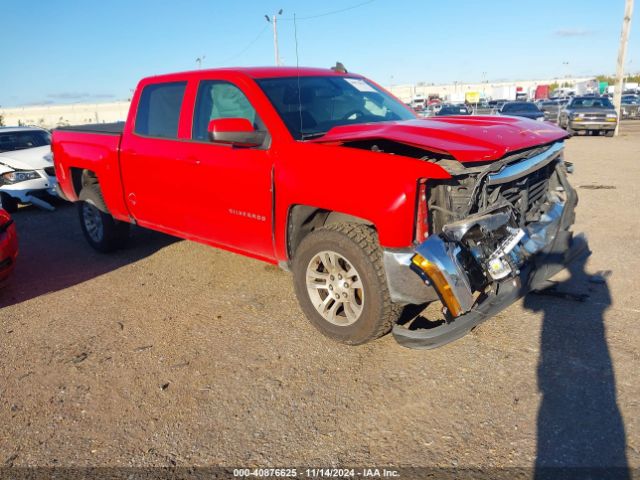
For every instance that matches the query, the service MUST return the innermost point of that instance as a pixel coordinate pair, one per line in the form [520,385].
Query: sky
[70,51]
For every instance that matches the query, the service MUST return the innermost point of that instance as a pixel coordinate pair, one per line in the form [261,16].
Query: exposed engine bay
[488,221]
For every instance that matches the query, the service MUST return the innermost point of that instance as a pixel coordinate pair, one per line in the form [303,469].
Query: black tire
[9,203]
[358,244]
[610,133]
[105,234]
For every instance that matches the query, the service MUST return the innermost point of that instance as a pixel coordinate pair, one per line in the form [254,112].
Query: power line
[249,45]
[333,12]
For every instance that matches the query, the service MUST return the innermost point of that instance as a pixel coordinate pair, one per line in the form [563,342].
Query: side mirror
[235,131]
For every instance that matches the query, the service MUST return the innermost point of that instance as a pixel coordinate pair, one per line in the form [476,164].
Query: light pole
[199,61]
[274,20]
[622,53]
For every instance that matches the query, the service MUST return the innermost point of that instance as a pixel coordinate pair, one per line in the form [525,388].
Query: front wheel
[340,282]
[610,133]
[102,231]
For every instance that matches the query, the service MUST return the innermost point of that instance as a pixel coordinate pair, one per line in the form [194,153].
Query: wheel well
[304,219]
[81,177]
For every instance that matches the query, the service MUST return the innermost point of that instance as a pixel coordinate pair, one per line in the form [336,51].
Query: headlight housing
[611,115]
[19,176]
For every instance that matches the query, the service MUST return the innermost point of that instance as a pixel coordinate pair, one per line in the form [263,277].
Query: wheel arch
[304,219]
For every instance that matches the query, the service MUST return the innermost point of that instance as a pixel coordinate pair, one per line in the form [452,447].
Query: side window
[218,99]
[159,110]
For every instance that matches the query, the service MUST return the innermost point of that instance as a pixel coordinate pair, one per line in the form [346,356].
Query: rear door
[155,172]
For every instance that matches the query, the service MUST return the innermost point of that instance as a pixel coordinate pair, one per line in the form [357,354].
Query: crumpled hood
[27,159]
[467,139]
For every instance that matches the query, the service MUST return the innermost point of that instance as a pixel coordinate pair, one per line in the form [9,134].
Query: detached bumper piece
[506,292]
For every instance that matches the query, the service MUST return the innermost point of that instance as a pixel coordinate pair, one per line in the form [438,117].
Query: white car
[26,168]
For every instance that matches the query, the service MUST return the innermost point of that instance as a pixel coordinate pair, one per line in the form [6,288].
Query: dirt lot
[174,353]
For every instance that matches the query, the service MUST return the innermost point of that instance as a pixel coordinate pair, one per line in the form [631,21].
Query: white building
[457,91]
[50,116]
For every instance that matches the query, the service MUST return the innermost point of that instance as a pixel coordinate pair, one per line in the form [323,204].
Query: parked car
[26,168]
[453,110]
[589,114]
[496,105]
[329,176]
[551,108]
[8,245]
[522,109]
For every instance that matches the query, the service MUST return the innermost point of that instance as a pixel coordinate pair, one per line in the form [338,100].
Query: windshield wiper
[307,136]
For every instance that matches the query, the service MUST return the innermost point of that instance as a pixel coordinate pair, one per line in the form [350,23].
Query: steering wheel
[357,113]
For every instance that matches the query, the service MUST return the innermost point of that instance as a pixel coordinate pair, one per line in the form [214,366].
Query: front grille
[51,171]
[526,194]
[595,116]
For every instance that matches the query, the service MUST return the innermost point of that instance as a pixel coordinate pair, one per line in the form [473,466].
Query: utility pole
[274,20]
[622,53]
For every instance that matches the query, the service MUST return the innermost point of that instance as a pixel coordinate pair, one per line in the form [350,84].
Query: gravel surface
[174,353]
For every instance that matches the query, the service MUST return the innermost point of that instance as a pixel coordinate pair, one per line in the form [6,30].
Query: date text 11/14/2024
[316,472]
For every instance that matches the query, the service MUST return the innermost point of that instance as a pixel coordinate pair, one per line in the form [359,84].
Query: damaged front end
[495,233]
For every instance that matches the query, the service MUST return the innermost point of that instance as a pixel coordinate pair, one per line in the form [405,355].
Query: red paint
[8,246]
[230,125]
[240,198]
[468,139]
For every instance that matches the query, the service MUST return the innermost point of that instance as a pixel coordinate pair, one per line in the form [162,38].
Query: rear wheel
[9,203]
[102,231]
[341,285]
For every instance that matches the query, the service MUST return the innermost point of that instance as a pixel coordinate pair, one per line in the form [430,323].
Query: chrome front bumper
[556,249]
[592,125]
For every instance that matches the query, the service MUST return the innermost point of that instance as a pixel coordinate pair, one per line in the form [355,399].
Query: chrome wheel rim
[335,288]
[92,221]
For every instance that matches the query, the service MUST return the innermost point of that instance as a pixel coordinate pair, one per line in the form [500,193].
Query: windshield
[591,102]
[22,140]
[311,106]
[520,107]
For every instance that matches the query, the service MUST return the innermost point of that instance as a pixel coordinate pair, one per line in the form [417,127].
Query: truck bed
[95,148]
[115,128]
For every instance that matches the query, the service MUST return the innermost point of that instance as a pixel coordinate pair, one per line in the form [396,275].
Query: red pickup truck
[331,177]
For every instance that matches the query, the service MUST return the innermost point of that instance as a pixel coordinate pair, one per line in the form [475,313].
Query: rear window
[591,102]
[10,141]
[159,110]
[519,107]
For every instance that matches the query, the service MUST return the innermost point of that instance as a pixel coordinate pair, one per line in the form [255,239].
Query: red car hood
[467,139]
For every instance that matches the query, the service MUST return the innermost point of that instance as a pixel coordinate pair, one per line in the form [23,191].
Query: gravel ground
[174,353]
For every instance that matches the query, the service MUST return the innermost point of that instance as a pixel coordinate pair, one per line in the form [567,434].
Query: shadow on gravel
[581,433]
[54,254]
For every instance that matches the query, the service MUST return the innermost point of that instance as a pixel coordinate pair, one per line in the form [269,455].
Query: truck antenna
[295,37]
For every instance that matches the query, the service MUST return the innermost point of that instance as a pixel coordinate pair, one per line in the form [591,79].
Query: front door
[230,198]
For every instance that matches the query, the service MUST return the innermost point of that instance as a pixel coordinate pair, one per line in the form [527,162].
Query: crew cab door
[230,187]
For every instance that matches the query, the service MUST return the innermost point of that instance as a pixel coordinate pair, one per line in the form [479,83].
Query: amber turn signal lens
[440,284]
